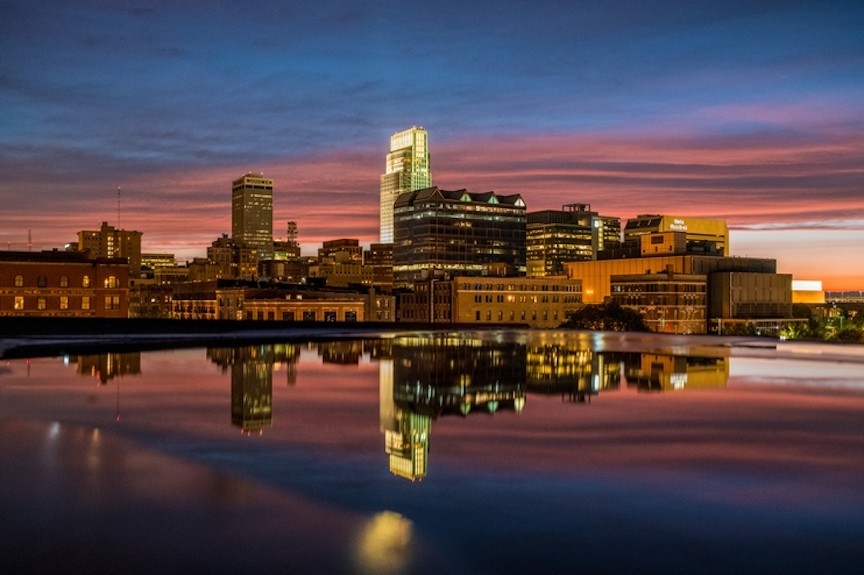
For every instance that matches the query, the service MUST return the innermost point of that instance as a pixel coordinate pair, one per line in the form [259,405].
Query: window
[41,303]
[350,315]
[19,281]
[85,281]
[64,302]
[85,302]
[19,302]
[42,281]
[287,316]
[64,281]
[112,302]
[112,282]
[329,316]
[308,316]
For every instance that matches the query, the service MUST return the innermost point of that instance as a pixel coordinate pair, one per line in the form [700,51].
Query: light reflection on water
[511,434]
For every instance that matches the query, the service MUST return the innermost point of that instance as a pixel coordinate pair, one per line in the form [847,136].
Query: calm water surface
[446,453]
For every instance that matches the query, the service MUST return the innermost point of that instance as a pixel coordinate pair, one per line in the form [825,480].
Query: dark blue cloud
[140,89]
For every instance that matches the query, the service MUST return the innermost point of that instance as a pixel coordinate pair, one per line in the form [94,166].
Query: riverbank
[33,337]
[39,337]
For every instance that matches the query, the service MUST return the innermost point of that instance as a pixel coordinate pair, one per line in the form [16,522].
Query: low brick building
[63,284]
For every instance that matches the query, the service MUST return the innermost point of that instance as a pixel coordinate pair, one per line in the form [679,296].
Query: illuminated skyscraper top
[252,213]
[407,170]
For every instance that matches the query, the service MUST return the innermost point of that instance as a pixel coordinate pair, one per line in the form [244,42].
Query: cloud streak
[744,112]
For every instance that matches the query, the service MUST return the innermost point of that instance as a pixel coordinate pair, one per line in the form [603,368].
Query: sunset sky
[748,111]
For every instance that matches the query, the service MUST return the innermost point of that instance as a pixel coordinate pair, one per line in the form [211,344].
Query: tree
[606,317]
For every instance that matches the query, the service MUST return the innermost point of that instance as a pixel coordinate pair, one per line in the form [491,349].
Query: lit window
[85,302]
[19,302]
[19,281]
[64,281]
[41,304]
[85,281]
[64,302]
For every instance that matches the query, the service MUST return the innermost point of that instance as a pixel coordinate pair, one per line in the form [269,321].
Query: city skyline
[750,114]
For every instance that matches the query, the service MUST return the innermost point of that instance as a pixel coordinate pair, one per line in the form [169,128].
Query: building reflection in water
[664,372]
[422,378]
[341,352]
[431,376]
[252,369]
[107,366]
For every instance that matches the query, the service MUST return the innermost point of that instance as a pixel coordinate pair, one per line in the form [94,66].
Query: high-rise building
[441,232]
[573,233]
[407,170]
[252,213]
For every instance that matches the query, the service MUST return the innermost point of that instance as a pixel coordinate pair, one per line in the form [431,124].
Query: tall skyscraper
[252,213]
[407,170]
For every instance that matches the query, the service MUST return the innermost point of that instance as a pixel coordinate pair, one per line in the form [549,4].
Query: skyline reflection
[423,377]
[569,433]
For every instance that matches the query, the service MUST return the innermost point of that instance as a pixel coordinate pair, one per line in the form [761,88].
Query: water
[493,452]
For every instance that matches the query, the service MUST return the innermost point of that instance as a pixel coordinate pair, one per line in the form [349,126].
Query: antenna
[118,207]
[29,240]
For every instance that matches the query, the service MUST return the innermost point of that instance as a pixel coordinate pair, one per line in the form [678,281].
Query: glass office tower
[407,170]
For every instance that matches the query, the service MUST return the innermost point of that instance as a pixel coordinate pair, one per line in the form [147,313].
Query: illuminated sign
[678,225]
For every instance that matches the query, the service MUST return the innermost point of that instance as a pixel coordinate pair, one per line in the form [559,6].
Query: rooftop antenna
[118,207]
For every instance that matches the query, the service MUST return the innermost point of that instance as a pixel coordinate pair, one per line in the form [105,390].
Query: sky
[142,113]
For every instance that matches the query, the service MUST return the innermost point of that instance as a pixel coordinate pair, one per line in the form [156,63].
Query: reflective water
[475,453]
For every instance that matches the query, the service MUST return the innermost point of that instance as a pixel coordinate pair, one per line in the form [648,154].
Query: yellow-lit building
[697,230]
[109,242]
[538,302]
[669,290]
[808,292]
[252,214]
[596,275]
[228,301]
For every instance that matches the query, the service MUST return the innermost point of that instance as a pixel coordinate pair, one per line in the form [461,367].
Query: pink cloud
[793,180]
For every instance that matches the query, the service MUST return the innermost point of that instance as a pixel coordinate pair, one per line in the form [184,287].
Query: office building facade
[449,233]
[573,233]
[407,169]
[109,242]
[252,213]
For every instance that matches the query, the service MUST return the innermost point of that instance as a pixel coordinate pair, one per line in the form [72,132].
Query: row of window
[523,316]
[520,287]
[112,302]
[523,299]
[42,281]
